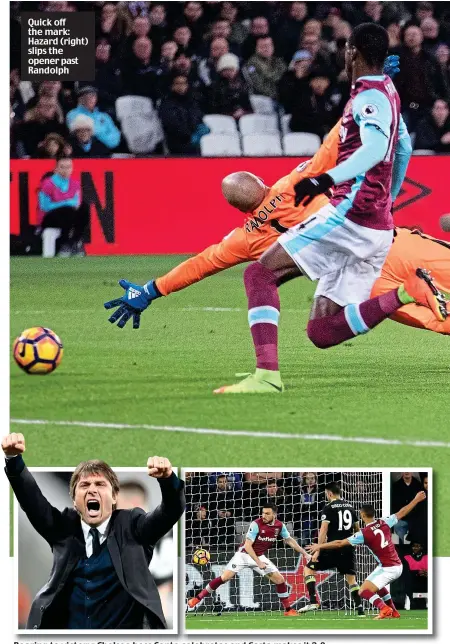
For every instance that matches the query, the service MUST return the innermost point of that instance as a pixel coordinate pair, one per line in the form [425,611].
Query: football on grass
[201,557]
[38,350]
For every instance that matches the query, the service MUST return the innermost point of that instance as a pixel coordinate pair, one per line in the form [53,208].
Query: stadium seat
[220,145]
[142,132]
[49,237]
[285,123]
[258,124]
[220,124]
[262,104]
[261,145]
[133,105]
[300,144]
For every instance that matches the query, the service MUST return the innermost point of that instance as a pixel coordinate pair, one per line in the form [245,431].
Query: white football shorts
[344,257]
[381,577]
[242,560]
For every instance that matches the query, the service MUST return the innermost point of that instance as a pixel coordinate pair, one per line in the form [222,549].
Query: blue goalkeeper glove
[391,65]
[136,299]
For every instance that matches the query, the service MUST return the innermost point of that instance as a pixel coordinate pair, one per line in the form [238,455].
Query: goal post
[220,508]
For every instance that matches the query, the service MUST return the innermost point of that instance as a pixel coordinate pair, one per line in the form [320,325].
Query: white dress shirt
[88,537]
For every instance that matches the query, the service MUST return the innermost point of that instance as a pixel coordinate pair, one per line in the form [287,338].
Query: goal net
[220,508]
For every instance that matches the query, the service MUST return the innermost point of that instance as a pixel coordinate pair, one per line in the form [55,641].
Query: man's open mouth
[93,507]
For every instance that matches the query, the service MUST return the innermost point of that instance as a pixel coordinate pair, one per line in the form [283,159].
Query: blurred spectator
[419,527]
[15,95]
[52,89]
[38,123]
[53,146]
[443,59]
[424,10]
[289,30]
[159,27]
[202,528]
[193,15]
[60,206]
[168,52]
[229,94]
[395,36]
[140,28]
[306,94]
[372,11]
[207,66]
[181,118]
[183,37]
[402,492]
[272,493]
[238,32]
[416,575]
[420,80]
[140,77]
[264,69]
[320,56]
[433,132]
[259,27]
[223,507]
[104,127]
[132,494]
[114,24]
[430,30]
[83,142]
[306,512]
[108,77]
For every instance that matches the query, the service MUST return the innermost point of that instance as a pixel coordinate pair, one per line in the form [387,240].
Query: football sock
[354,590]
[352,320]
[263,314]
[373,598]
[310,581]
[283,593]
[210,588]
[386,597]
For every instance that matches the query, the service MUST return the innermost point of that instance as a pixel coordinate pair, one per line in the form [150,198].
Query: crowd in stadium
[185,60]
[220,507]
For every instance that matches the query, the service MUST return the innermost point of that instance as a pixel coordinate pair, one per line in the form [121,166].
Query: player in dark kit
[261,536]
[339,521]
[376,535]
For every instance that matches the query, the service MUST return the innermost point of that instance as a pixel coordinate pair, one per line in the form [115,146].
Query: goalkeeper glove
[391,65]
[312,187]
[135,300]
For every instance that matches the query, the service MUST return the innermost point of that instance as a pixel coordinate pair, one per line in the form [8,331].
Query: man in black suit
[100,577]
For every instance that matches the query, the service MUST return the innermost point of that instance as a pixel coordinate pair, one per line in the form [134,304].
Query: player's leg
[310,583]
[212,586]
[369,591]
[385,595]
[261,281]
[413,315]
[283,590]
[354,589]
[331,324]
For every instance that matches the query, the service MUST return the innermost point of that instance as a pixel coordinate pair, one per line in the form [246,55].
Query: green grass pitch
[318,622]
[390,384]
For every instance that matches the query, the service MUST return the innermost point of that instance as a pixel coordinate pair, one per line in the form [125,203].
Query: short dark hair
[95,468]
[368,510]
[270,506]
[333,487]
[372,42]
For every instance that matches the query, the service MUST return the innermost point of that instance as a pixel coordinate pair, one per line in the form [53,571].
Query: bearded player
[261,536]
[376,535]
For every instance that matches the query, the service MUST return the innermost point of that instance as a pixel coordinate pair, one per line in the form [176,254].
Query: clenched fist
[159,467]
[420,496]
[13,444]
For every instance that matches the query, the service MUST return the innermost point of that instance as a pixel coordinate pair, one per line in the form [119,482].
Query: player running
[344,244]
[376,535]
[261,536]
[338,521]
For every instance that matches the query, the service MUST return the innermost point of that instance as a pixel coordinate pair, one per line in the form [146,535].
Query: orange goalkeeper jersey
[276,213]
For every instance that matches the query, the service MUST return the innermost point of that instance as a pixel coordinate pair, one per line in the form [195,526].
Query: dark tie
[95,541]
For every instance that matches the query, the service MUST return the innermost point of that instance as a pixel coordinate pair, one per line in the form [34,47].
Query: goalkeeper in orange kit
[270,212]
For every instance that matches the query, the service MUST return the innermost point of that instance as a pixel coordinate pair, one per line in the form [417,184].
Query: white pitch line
[229,432]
